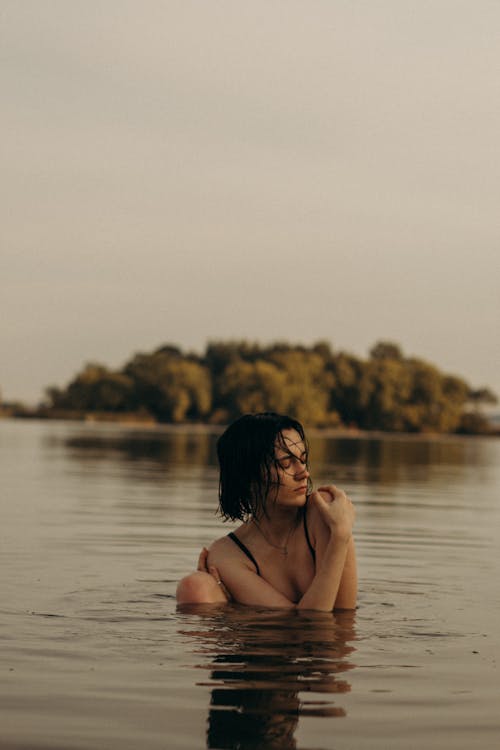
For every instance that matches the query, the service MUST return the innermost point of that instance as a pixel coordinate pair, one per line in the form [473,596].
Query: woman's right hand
[212,571]
[336,510]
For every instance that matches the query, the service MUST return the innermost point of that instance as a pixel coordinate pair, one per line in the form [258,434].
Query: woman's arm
[240,579]
[346,596]
[335,516]
[334,586]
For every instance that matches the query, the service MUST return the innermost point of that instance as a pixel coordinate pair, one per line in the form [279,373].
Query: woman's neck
[278,521]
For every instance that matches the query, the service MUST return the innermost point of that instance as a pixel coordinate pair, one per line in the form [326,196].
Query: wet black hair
[246,459]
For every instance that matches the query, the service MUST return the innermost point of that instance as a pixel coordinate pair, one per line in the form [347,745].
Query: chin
[296,501]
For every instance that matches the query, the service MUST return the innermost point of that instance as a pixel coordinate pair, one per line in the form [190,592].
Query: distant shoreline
[140,421]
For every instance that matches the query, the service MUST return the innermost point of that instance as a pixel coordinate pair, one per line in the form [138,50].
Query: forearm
[322,593]
[348,589]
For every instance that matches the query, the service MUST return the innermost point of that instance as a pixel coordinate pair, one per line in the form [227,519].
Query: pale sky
[179,171]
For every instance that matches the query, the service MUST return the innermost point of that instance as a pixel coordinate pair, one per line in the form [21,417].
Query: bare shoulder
[312,512]
[224,551]
[221,546]
[315,522]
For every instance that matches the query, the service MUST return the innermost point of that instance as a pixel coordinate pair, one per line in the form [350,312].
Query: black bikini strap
[244,549]
[306,532]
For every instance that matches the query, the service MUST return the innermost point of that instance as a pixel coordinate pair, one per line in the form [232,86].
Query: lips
[301,489]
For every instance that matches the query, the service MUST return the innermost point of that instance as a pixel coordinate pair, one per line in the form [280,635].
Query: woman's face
[290,469]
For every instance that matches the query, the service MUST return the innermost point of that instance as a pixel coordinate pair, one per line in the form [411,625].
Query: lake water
[98,522]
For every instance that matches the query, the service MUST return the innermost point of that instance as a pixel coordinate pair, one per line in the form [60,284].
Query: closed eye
[286,461]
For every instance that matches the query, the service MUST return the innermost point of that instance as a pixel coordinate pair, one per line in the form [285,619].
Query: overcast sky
[179,171]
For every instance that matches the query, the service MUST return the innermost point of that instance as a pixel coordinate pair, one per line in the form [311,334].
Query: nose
[302,470]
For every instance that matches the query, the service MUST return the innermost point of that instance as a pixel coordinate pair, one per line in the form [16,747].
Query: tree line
[320,387]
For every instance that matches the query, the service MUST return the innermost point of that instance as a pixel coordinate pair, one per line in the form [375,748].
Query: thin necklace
[284,549]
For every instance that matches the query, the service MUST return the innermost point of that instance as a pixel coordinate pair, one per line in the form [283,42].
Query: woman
[294,547]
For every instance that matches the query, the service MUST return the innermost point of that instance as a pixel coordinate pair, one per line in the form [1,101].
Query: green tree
[386,350]
[436,400]
[324,350]
[351,388]
[170,386]
[219,355]
[95,388]
[388,389]
[314,384]
[481,397]
[308,385]
[249,387]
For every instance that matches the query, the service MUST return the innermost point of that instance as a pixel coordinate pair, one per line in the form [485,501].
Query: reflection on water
[267,669]
[175,448]
[363,459]
[397,458]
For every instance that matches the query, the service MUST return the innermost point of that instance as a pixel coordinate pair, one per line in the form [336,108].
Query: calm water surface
[99,522]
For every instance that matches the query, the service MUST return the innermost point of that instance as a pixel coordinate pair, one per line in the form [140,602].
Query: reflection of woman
[294,547]
[267,669]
